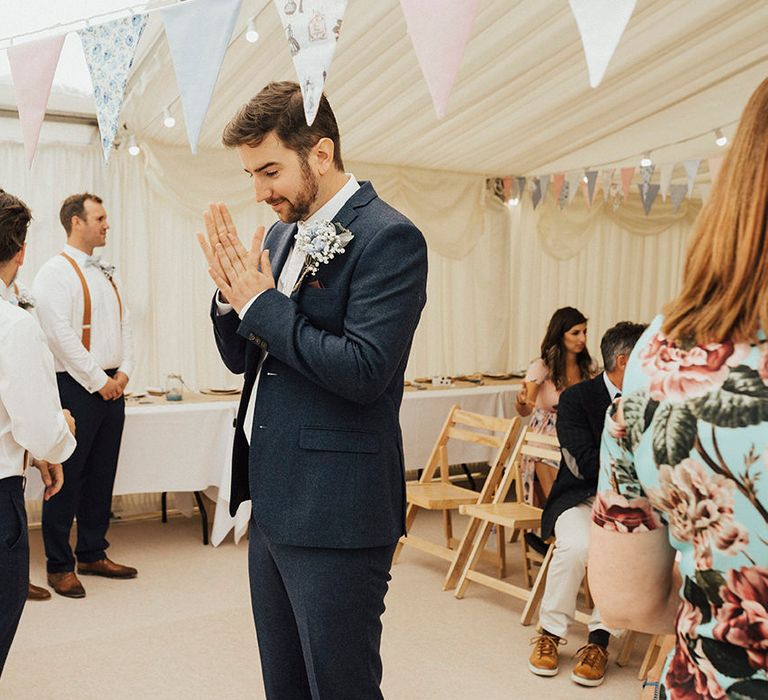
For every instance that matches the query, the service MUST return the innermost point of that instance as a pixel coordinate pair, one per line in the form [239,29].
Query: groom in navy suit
[320,316]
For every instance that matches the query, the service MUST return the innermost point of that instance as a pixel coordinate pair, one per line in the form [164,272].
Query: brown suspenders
[87,301]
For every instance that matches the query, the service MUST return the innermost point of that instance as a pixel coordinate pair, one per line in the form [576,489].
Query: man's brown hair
[279,107]
[14,222]
[74,205]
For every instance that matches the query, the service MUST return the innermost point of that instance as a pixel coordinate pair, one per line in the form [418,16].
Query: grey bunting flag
[677,194]
[591,181]
[648,194]
[520,187]
[544,184]
[536,194]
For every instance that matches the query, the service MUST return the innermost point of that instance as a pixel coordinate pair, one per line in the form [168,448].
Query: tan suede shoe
[591,662]
[544,657]
[107,568]
[66,584]
[38,593]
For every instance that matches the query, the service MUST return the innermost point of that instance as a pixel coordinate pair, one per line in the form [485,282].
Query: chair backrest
[466,426]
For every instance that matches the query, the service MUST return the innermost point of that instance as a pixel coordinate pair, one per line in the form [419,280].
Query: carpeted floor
[183,629]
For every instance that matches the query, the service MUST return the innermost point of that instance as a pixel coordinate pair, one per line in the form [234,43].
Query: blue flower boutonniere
[320,242]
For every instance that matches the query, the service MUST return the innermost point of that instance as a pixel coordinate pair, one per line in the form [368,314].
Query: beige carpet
[183,629]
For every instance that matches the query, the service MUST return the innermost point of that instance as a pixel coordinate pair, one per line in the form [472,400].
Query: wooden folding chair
[516,516]
[433,492]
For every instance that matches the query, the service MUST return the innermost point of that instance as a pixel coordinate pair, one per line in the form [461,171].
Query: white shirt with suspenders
[84,319]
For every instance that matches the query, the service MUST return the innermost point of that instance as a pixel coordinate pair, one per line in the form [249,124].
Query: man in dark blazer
[320,318]
[567,513]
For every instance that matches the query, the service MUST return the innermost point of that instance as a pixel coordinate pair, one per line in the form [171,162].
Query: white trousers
[566,572]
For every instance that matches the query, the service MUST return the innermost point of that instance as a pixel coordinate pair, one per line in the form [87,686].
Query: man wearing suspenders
[32,423]
[88,330]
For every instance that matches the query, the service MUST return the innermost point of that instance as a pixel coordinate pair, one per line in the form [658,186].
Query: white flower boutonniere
[105,268]
[320,242]
[25,300]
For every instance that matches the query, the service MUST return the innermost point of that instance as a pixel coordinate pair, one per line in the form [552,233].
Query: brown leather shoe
[592,660]
[106,567]
[544,657]
[38,593]
[66,584]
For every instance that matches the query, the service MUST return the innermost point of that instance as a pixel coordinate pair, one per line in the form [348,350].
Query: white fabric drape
[491,288]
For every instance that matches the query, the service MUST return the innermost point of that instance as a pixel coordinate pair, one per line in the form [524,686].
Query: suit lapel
[281,248]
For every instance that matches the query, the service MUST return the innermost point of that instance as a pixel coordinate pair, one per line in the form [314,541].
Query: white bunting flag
[665,179]
[677,194]
[691,168]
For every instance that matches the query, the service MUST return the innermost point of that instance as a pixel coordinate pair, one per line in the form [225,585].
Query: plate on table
[134,394]
[498,375]
[220,391]
[156,391]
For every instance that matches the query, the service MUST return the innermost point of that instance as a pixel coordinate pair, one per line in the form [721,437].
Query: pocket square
[315,284]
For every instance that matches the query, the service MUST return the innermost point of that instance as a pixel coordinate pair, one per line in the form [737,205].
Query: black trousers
[14,561]
[89,475]
[318,618]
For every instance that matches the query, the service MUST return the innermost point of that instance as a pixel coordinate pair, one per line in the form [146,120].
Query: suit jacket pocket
[339,440]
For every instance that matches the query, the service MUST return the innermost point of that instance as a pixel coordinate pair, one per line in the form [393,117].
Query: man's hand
[111,391]
[121,379]
[52,475]
[70,420]
[239,274]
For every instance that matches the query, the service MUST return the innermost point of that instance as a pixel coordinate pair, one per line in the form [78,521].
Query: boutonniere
[25,301]
[320,242]
[105,268]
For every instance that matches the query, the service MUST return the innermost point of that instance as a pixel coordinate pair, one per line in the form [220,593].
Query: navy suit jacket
[580,419]
[325,465]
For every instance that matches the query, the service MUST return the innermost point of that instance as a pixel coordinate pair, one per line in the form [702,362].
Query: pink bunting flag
[626,180]
[714,168]
[557,185]
[439,30]
[33,66]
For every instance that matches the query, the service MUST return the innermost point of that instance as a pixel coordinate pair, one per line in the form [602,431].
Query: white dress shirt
[613,390]
[59,303]
[30,411]
[290,274]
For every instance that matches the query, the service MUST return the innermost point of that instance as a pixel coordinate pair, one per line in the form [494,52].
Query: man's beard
[302,205]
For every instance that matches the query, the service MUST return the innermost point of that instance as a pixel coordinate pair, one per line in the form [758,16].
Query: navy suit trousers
[89,475]
[14,561]
[318,618]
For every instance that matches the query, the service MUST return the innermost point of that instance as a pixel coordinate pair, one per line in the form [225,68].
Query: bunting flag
[557,186]
[506,184]
[648,195]
[646,172]
[691,168]
[665,179]
[677,194]
[626,180]
[564,194]
[109,50]
[439,32]
[607,179]
[544,184]
[33,66]
[312,34]
[714,168]
[574,180]
[198,35]
[536,194]
[520,187]
[591,181]
[601,24]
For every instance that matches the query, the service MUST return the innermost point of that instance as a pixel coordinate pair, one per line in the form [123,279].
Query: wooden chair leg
[448,527]
[462,554]
[410,516]
[526,563]
[537,592]
[474,557]
[651,654]
[627,645]
[501,550]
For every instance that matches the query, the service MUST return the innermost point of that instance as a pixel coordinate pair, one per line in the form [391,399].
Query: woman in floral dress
[683,464]
[564,361]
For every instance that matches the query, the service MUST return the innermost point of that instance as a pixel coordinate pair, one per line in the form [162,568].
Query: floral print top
[686,448]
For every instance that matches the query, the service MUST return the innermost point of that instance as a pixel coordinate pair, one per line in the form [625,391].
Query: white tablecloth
[188,446]
[185,446]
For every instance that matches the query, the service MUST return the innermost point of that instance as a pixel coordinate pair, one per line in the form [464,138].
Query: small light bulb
[133,147]
[252,34]
[585,180]
[720,138]
[646,161]
[513,202]
[168,119]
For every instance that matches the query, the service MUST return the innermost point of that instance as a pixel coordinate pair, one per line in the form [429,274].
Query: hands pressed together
[239,274]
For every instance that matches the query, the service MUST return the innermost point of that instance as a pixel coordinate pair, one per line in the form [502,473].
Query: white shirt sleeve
[31,397]
[54,297]
[128,362]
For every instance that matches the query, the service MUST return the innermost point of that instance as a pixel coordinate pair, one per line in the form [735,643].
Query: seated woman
[564,361]
[683,465]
